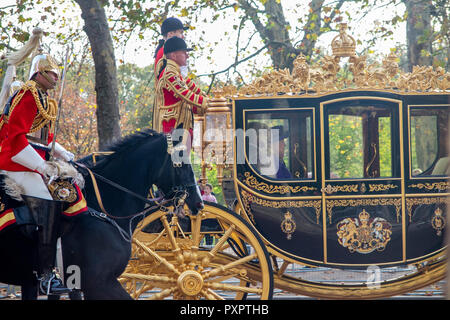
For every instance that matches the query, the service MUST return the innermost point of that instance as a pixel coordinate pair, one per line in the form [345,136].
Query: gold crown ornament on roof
[343,45]
[324,77]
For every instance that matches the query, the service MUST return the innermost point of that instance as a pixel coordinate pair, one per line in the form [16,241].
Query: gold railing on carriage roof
[323,77]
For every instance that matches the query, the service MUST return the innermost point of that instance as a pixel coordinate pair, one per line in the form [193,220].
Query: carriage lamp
[197,146]
[217,135]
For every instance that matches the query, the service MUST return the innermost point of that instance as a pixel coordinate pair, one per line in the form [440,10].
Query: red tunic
[177,89]
[158,57]
[13,140]
[13,132]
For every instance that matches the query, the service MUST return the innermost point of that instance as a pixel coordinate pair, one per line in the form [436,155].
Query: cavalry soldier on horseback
[177,98]
[28,117]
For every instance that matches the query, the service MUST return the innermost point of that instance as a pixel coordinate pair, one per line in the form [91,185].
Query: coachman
[177,98]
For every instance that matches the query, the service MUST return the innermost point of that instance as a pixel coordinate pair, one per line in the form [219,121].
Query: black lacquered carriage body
[337,164]
[367,176]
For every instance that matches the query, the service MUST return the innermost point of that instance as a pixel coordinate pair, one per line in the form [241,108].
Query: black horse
[96,245]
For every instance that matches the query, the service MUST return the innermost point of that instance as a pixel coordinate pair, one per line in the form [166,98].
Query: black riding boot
[47,215]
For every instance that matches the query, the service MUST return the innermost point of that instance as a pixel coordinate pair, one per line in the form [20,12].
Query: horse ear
[169,143]
[177,151]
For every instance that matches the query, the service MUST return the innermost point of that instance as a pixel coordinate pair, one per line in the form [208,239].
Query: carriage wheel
[171,260]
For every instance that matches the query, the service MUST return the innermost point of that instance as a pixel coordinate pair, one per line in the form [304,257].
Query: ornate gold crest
[63,191]
[343,45]
[438,221]
[363,234]
[288,225]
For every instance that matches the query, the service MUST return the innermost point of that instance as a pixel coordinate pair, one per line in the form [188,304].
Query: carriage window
[279,144]
[429,138]
[360,142]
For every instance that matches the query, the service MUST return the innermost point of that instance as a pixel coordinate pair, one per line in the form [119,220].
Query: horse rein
[178,201]
[160,201]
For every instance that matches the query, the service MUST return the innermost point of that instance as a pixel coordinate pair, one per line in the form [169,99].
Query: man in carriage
[25,144]
[177,98]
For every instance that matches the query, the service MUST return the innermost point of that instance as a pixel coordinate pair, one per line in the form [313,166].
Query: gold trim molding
[248,198]
[396,202]
[439,186]
[329,189]
[253,183]
[381,187]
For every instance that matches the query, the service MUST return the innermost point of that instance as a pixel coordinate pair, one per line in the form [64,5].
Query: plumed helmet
[43,62]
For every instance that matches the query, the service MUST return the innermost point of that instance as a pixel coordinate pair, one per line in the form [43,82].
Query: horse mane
[131,140]
[120,147]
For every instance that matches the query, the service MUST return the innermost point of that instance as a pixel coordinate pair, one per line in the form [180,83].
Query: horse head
[177,180]
[137,162]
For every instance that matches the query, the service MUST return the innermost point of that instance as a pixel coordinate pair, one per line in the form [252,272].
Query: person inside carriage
[25,143]
[282,172]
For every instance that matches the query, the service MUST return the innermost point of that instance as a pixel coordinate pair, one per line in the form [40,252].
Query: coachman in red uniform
[25,139]
[171,27]
[177,98]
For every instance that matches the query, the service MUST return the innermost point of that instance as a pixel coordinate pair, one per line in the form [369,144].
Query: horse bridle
[177,189]
[173,195]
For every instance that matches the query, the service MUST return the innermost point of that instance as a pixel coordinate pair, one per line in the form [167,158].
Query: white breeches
[31,182]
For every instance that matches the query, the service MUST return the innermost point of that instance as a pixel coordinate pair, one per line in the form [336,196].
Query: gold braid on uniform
[44,115]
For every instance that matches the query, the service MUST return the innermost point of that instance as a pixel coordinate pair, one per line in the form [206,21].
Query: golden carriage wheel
[171,260]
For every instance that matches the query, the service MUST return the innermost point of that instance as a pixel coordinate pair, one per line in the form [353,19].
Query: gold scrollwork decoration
[396,202]
[329,189]
[253,183]
[248,198]
[381,187]
[439,186]
[411,202]
[364,234]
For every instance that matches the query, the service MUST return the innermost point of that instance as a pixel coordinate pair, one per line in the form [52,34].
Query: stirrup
[50,283]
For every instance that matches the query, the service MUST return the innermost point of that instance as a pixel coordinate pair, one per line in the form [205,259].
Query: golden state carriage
[367,189]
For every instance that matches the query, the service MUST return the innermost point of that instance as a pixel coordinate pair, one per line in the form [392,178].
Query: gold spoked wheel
[214,255]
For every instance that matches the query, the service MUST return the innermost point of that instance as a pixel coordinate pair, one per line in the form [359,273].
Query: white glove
[28,157]
[61,152]
[48,170]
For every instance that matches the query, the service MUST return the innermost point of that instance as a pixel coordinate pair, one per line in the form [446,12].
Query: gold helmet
[43,63]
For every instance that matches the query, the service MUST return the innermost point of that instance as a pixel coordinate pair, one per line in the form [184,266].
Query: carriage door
[428,169]
[362,181]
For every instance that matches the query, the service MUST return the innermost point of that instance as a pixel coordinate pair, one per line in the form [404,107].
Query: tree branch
[235,64]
